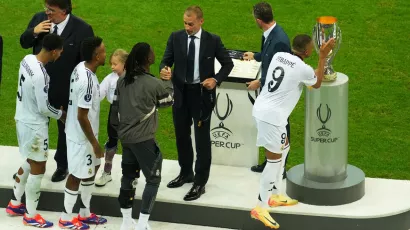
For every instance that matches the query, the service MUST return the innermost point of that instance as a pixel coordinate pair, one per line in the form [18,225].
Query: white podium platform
[230,194]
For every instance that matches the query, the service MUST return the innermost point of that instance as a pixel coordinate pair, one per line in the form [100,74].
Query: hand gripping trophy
[326,28]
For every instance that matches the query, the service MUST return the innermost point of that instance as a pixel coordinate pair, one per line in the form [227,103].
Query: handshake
[166,75]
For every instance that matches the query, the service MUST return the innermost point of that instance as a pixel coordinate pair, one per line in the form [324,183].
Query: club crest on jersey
[87,97]
[90,171]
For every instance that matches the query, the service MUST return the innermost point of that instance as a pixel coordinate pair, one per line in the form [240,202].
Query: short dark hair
[263,11]
[52,42]
[62,4]
[196,10]
[300,42]
[88,47]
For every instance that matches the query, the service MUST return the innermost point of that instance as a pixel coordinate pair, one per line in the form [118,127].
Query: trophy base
[330,77]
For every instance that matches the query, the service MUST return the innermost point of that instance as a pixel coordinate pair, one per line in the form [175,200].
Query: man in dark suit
[274,39]
[192,51]
[57,18]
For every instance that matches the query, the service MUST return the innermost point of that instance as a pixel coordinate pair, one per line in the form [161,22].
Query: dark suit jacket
[277,41]
[60,71]
[211,47]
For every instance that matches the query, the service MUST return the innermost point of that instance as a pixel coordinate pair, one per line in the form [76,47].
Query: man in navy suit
[57,18]
[192,52]
[274,39]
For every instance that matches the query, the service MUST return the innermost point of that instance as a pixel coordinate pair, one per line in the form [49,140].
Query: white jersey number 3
[274,84]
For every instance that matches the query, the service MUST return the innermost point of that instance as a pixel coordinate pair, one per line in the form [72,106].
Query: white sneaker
[128,225]
[103,180]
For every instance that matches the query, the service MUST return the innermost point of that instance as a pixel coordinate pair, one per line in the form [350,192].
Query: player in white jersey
[84,153]
[285,78]
[32,117]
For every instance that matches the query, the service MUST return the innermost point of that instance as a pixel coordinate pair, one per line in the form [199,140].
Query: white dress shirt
[266,33]
[196,62]
[60,26]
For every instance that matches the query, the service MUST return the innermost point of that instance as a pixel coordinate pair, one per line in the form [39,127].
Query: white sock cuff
[274,161]
[144,216]
[87,183]
[26,166]
[26,170]
[126,210]
[39,176]
[71,192]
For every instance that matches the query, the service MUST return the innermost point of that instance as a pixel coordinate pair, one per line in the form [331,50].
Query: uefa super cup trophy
[326,28]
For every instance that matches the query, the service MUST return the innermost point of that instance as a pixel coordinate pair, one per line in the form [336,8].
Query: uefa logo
[323,132]
[221,130]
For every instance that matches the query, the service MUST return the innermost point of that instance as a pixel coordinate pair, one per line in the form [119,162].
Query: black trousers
[61,153]
[112,133]
[145,156]
[183,116]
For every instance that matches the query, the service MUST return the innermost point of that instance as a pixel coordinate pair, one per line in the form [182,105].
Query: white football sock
[126,214]
[19,188]
[143,221]
[87,188]
[279,179]
[268,178]
[70,197]
[33,193]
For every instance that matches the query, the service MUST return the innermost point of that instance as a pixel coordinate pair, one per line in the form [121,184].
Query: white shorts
[33,141]
[81,159]
[271,137]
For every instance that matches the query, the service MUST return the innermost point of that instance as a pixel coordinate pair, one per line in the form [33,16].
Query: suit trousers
[183,116]
[61,152]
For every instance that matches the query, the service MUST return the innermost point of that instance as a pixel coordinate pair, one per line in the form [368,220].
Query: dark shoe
[259,168]
[179,181]
[59,175]
[195,192]
[14,176]
[284,174]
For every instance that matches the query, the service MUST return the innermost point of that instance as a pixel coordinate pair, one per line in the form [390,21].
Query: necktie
[55,29]
[263,42]
[191,61]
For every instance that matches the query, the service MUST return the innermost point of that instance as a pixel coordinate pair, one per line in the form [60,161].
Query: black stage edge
[219,217]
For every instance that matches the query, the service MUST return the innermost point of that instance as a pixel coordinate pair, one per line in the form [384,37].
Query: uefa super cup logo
[323,118]
[221,130]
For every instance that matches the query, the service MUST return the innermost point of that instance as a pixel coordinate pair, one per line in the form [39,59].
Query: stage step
[113,223]
[230,195]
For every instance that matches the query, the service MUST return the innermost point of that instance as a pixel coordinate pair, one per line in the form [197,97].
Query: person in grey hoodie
[137,97]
